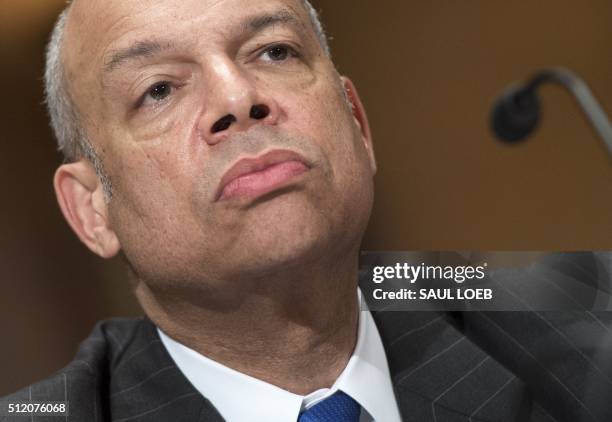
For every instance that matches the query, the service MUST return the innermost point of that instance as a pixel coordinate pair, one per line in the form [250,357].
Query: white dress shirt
[239,397]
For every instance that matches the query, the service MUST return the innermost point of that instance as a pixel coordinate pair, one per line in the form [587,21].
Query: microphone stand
[517,112]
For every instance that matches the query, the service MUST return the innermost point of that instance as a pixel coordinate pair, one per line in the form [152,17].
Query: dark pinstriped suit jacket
[473,366]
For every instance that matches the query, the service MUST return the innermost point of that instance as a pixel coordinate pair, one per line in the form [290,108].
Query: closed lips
[259,175]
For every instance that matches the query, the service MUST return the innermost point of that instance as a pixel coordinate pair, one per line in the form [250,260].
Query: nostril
[259,111]
[223,123]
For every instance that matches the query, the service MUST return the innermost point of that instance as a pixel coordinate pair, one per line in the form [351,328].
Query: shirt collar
[240,397]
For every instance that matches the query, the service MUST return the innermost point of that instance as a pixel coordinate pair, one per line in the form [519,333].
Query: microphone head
[515,114]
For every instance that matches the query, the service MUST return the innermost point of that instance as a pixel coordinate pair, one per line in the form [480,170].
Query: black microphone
[516,113]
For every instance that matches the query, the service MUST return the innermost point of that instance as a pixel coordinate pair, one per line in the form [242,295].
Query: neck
[296,329]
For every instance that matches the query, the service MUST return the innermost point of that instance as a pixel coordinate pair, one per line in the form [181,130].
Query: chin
[284,232]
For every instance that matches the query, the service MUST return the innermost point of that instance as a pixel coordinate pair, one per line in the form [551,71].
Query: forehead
[96,27]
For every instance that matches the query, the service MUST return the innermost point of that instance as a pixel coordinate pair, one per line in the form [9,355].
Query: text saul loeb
[434,294]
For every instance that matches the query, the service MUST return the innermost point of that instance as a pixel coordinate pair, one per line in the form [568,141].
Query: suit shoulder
[84,381]
[109,340]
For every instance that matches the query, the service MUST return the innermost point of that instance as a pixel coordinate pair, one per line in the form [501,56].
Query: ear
[81,199]
[360,117]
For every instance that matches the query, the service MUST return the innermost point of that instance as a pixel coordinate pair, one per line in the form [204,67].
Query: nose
[233,102]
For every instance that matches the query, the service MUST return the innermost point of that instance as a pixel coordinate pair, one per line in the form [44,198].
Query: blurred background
[427,73]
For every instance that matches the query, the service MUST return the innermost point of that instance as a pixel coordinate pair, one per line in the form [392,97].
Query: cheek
[153,159]
[157,233]
[148,194]
[168,125]
[331,124]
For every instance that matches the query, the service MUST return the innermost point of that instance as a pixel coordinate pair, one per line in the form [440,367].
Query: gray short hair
[318,26]
[65,120]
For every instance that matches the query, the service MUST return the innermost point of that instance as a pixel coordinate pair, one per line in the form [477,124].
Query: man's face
[175,93]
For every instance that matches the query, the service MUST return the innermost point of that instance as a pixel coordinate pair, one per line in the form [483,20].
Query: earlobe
[361,118]
[80,198]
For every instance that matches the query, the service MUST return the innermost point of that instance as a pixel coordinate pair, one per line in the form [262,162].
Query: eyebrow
[136,50]
[282,16]
[253,24]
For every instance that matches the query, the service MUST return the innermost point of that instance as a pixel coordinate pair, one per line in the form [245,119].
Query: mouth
[253,177]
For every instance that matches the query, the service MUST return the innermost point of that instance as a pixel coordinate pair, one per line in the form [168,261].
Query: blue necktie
[340,407]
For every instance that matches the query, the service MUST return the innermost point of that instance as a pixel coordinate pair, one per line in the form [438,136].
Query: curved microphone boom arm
[517,112]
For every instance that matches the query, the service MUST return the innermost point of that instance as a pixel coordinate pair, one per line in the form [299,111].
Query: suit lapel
[440,375]
[145,384]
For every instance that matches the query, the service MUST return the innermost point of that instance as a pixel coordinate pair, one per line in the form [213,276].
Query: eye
[278,53]
[160,91]
[156,93]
